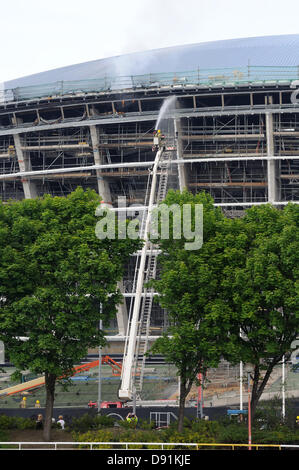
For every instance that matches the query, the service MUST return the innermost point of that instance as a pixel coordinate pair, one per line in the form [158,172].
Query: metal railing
[138,446]
[200,77]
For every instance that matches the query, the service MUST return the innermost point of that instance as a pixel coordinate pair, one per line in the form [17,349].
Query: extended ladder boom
[147,300]
[126,390]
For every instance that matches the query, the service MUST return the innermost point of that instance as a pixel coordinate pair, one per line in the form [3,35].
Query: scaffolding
[239,144]
[221,148]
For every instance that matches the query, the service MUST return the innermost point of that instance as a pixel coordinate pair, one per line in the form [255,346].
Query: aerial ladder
[139,319]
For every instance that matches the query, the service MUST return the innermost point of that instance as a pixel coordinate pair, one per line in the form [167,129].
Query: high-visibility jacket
[132,419]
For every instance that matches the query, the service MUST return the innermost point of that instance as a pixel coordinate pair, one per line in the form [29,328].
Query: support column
[29,187]
[182,171]
[122,313]
[103,185]
[104,192]
[272,167]
[2,353]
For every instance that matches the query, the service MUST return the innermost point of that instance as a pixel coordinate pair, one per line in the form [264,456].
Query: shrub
[3,436]
[207,430]
[6,422]
[96,436]
[82,424]
[16,422]
[103,421]
[88,422]
[283,435]
[200,432]
[235,433]
[146,425]
[132,435]
[24,423]
[125,424]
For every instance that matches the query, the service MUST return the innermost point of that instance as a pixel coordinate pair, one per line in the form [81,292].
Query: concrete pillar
[25,165]
[103,185]
[122,314]
[29,187]
[182,171]
[104,192]
[2,353]
[272,166]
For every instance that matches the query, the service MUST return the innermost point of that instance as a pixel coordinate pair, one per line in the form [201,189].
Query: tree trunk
[185,387]
[259,387]
[182,401]
[50,380]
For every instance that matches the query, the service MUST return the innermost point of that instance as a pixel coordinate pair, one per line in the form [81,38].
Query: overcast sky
[39,35]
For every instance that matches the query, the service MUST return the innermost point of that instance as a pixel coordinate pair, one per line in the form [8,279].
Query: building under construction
[235,121]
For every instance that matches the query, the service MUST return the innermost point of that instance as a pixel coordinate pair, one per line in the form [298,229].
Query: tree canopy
[236,297]
[260,289]
[188,290]
[54,276]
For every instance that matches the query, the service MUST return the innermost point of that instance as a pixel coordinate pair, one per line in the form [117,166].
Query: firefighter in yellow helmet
[23,402]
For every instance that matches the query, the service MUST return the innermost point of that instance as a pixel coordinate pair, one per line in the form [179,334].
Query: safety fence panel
[199,77]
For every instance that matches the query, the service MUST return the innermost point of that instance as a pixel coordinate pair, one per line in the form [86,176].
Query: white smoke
[162,22]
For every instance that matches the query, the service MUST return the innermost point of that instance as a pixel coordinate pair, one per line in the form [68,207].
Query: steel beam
[152,116]
[147,164]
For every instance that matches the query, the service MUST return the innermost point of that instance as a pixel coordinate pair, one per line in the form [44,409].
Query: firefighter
[158,140]
[132,420]
[23,402]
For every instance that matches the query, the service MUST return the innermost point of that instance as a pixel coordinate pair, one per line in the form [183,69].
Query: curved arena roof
[274,51]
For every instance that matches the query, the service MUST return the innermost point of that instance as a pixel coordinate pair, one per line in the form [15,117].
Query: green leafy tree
[54,275]
[188,290]
[259,291]
[236,297]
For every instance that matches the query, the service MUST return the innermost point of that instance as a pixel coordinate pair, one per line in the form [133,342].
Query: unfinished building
[236,121]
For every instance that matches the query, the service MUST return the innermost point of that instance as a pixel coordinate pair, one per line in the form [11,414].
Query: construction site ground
[36,435]
[161,383]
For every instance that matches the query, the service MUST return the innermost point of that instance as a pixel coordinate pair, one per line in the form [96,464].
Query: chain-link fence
[161,382]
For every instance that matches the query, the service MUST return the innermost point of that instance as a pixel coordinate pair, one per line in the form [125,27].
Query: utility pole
[241,385]
[200,397]
[100,369]
[249,413]
[134,400]
[283,389]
